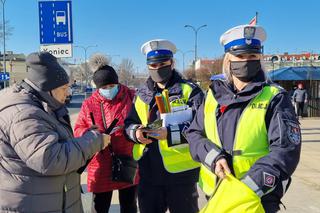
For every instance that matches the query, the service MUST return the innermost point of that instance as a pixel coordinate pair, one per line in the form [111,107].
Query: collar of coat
[226,94]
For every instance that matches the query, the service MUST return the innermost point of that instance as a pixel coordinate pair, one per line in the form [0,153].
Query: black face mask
[161,75]
[245,70]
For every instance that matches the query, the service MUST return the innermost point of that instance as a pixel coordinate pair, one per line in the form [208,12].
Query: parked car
[69,97]
[89,89]
[76,88]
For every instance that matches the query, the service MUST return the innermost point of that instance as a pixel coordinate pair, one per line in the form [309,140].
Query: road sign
[55,22]
[4,76]
[58,50]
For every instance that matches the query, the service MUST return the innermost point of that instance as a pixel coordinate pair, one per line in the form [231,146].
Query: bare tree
[9,30]
[202,76]
[80,73]
[86,73]
[126,71]
[75,72]
[217,66]
[189,74]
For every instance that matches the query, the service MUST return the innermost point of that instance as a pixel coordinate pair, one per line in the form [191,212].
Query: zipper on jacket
[64,190]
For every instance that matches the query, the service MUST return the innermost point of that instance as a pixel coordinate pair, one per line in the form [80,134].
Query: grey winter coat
[39,156]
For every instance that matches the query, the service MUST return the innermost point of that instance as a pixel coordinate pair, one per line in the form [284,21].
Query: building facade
[15,66]
[277,61]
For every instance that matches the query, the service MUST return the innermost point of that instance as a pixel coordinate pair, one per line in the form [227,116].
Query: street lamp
[183,56]
[273,59]
[111,56]
[196,39]
[117,55]
[85,48]
[4,41]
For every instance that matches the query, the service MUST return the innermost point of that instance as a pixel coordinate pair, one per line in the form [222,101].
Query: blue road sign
[55,22]
[4,76]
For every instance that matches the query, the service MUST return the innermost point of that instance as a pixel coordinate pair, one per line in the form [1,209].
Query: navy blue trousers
[177,198]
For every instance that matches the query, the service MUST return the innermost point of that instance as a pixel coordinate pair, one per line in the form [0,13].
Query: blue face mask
[109,93]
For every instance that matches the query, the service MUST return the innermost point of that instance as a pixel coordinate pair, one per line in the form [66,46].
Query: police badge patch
[269,179]
[249,32]
[154,45]
[294,133]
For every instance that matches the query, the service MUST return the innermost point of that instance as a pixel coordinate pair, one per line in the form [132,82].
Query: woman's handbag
[124,168]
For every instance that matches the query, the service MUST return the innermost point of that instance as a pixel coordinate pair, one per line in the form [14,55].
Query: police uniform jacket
[272,172]
[151,167]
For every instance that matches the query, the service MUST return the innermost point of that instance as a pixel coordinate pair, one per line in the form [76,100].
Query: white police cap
[243,39]
[158,50]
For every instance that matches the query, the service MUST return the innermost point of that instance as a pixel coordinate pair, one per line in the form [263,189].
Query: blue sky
[120,27]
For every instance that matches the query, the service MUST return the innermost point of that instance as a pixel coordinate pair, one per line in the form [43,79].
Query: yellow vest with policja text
[251,137]
[176,158]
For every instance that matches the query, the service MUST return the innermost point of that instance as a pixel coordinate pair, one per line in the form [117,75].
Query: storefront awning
[295,73]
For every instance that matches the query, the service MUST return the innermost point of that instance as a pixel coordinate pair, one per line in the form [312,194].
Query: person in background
[246,125]
[39,157]
[300,97]
[290,94]
[111,100]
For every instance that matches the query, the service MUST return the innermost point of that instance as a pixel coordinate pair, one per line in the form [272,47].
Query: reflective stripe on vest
[175,159]
[249,146]
[143,110]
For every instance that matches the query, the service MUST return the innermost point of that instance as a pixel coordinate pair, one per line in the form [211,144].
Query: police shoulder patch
[269,179]
[293,131]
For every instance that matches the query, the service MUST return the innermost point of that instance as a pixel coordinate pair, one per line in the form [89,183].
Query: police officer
[246,125]
[168,175]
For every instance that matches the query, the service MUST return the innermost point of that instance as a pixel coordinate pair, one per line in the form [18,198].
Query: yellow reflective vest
[241,200]
[176,158]
[251,137]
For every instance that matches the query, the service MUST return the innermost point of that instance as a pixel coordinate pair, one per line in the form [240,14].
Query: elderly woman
[39,157]
[246,125]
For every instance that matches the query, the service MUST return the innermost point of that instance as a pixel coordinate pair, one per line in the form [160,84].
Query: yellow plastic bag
[233,196]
